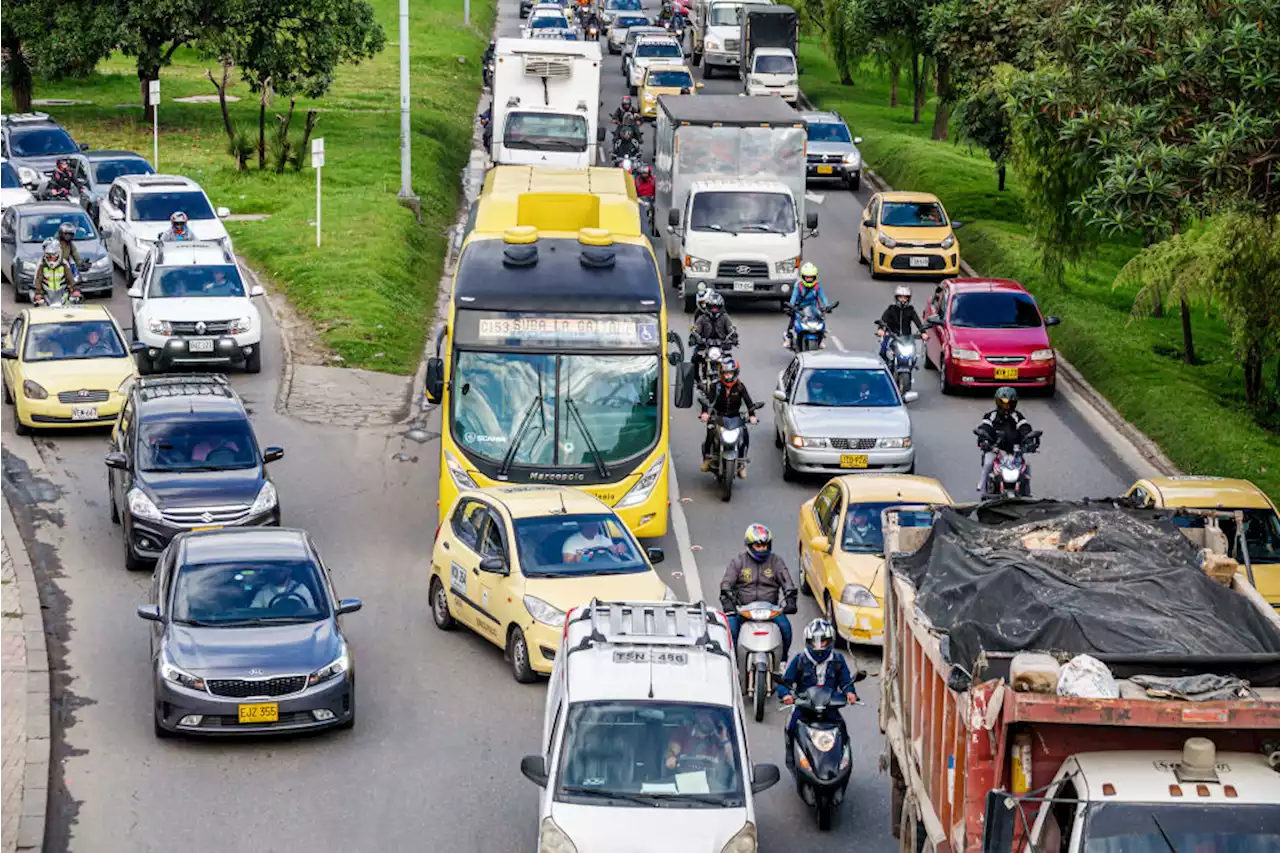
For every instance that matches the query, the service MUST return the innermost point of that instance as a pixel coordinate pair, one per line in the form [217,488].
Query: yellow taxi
[842,547]
[510,561]
[668,79]
[66,367]
[1261,521]
[908,234]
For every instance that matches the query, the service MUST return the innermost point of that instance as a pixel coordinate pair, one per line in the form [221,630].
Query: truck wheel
[855,182]
[708,71]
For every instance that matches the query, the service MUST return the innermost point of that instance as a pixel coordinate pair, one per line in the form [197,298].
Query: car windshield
[670,79]
[650,49]
[999,310]
[41,142]
[547,21]
[841,387]
[912,214]
[862,526]
[41,226]
[650,754]
[725,16]
[614,397]
[158,207]
[828,131]
[106,171]
[189,445]
[9,176]
[242,593]
[628,5]
[630,21]
[736,212]
[573,545]
[1181,828]
[775,64]
[70,341]
[545,132]
[223,280]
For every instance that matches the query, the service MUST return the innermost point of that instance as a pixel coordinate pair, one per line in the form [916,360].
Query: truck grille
[732,45]
[853,443]
[742,269]
[243,688]
[83,396]
[200,515]
[211,327]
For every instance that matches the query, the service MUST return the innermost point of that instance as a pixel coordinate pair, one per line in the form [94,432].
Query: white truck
[546,98]
[717,34]
[730,202]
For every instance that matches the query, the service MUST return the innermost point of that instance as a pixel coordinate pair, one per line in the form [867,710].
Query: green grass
[1195,413]
[369,291]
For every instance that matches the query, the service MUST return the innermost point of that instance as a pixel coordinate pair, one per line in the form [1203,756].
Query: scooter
[759,648]
[822,762]
[808,326]
[726,449]
[902,357]
[1009,475]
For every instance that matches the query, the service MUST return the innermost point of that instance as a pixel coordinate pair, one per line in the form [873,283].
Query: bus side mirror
[435,379]
[997,832]
[684,385]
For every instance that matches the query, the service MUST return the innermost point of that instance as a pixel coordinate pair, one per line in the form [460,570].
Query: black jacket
[713,328]
[728,399]
[898,319]
[746,580]
[1004,431]
[63,181]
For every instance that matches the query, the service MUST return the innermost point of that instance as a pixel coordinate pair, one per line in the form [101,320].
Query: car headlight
[101,263]
[28,175]
[857,596]
[543,612]
[142,506]
[639,493]
[788,266]
[461,478]
[333,670]
[823,740]
[551,839]
[744,841]
[242,325]
[852,158]
[755,81]
[159,327]
[169,672]
[266,499]
[650,97]
[949,241]
[30,266]
[1042,355]
[893,443]
[697,265]
[887,241]
[965,355]
[34,390]
[802,441]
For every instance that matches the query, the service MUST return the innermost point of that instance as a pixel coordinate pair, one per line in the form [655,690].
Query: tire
[132,562]
[943,385]
[349,724]
[440,605]
[690,300]
[160,731]
[777,440]
[707,71]
[726,486]
[855,183]
[518,652]
[789,474]
[1050,391]
[824,814]
[253,362]
[8,397]
[804,576]
[861,259]
[904,382]
[127,268]
[829,613]
[696,59]
[111,501]
[19,427]
[108,293]
[761,688]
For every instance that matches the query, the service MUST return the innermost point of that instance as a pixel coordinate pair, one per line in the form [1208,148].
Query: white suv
[632,682]
[136,212]
[192,307]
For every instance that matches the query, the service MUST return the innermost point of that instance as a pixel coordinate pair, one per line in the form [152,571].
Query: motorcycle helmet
[646,171]
[179,222]
[626,103]
[902,295]
[52,252]
[729,371]
[1006,400]
[809,274]
[66,231]
[62,164]
[819,639]
[759,542]
[714,303]
[702,296]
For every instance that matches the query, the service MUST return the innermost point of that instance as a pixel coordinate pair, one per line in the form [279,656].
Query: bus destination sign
[581,330]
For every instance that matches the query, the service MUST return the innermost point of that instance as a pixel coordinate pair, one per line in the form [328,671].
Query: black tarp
[1135,590]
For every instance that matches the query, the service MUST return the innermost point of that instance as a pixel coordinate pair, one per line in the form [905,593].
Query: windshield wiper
[523,430]
[572,408]
[199,623]
[1163,834]
[769,229]
[609,795]
[709,799]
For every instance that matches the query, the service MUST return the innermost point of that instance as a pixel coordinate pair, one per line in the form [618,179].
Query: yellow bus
[551,366]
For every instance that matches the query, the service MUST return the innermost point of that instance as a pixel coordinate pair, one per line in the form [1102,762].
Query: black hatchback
[184,457]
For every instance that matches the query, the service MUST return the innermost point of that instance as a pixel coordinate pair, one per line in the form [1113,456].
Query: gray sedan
[246,636]
[841,412]
[96,170]
[23,230]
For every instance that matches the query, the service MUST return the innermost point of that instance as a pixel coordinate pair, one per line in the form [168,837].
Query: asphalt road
[433,760]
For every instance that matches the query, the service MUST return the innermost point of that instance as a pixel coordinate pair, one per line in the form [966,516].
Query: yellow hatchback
[1261,521]
[510,561]
[65,367]
[842,547]
[908,234]
[671,79]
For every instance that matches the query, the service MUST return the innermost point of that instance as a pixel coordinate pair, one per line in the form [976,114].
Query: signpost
[317,162]
[153,97]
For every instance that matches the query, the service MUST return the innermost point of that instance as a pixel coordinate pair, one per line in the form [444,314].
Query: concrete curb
[35,793]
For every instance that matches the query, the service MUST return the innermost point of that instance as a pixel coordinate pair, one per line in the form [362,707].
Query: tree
[53,40]
[891,28]
[982,118]
[153,30]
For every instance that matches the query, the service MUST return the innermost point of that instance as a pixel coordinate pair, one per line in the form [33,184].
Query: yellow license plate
[1006,373]
[260,712]
[207,527]
[826,170]
[853,460]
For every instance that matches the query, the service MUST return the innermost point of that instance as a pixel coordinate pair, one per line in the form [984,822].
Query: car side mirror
[84,146]
[867,223]
[860,675]
[348,605]
[271,454]
[764,777]
[435,379]
[820,544]
[811,220]
[655,555]
[8,353]
[116,459]
[956,224]
[135,292]
[257,290]
[493,565]
[223,212]
[857,140]
[911,396]
[534,768]
[1052,321]
[780,395]
[150,612]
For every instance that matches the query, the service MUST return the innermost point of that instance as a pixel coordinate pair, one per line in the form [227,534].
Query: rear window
[40,227]
[106,171]
[631,21]
[995,311]
[611,5]
[662,48]
[41,142]
[158,207]
[545,22]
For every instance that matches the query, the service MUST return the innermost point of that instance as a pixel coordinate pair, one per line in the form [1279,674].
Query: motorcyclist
[178,231]
[819,665]
[63,179]
[758,574]
[625,143]
[486,125]
[898,319]
[485,73]
[646,186]
[53,274]
[67,245]
[807,290]
[1001,429]
[624,109]
[728,397]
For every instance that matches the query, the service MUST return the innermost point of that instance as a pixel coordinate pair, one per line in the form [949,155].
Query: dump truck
[995,742]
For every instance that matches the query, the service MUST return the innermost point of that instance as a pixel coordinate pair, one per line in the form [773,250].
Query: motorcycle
[808,326]
[714,352]
[726,449]
[488,74]
[822,760]
[759,649]
[625,150]
[1009,475]
[58,298]
[52,193]
[902,357]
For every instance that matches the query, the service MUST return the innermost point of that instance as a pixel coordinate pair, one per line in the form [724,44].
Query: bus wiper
[1163,834]
[572,408]
[522,431]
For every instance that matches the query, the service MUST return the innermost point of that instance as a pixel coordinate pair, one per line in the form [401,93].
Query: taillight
[437,536]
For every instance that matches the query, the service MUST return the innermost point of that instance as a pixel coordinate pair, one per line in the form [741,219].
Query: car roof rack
[188,245]
[185,385]
[20,118]
[653,623]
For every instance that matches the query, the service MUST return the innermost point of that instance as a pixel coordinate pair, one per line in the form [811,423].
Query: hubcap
[442,605]
[519,653]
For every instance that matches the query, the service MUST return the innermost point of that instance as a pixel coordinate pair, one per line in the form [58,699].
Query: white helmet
[900,291]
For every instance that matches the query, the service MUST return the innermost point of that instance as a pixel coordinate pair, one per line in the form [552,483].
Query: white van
[643,744]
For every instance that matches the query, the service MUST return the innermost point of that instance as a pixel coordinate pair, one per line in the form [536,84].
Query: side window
[467,521]
[789,376]
[875,211]
[116,197]
[555,726]
[833,516]
[122,431]
[1057,834]
[492,544]
[15,333]
[827,498]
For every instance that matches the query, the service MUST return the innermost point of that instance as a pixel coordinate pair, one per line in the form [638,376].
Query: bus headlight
[461,478]
[639,493]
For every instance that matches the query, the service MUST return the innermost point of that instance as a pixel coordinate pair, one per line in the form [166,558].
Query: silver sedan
[841,412]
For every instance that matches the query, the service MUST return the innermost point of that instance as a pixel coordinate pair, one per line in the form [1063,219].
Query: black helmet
[728,371]
[715,303]
[1006,400]
[67,231]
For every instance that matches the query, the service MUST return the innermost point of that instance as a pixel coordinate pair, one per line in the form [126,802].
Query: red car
[989,332]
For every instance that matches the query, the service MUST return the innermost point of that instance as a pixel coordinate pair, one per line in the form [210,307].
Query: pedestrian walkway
[24,701]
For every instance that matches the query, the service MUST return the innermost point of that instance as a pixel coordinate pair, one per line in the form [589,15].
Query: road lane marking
[688,565]
[840,346]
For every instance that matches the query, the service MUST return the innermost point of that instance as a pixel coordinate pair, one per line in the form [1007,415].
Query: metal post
[406,176]
[466,12]
[317,208]
[153,95]
[317,163]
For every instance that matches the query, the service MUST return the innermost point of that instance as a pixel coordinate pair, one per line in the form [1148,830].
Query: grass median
[370,289]
[1196,413]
